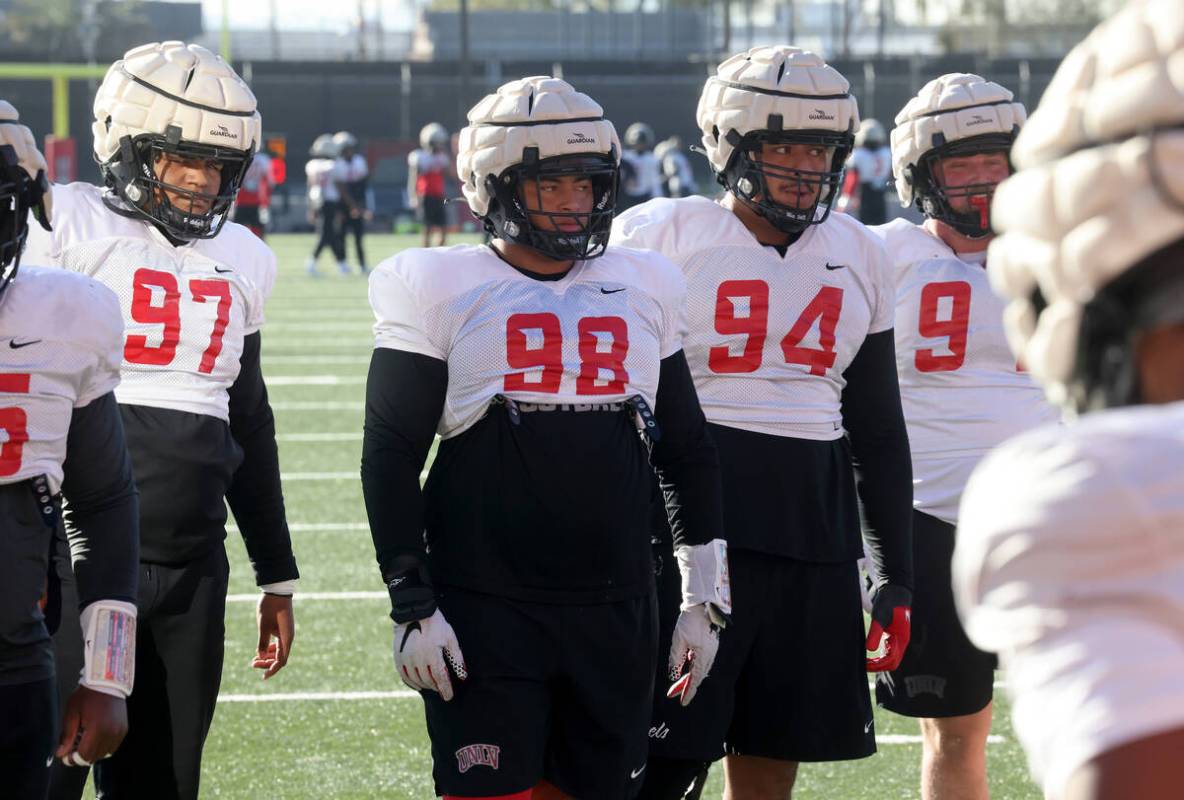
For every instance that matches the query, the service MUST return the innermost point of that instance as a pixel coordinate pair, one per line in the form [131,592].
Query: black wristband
[412,596]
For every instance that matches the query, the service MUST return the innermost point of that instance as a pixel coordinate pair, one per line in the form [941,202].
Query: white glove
[694,645]
[421,648]
[706,602]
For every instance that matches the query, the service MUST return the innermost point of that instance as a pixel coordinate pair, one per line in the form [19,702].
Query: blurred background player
[1070,555]
[678,179]
[61,433]
[963,393]
[537,506]
[252,207]
[426,167]
[869,170]
[790,314]
[641,174]
[200,431]
[353,186]
[324,203]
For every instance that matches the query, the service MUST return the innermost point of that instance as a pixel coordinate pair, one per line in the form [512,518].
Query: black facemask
[133,174]
[747,177]
[510,211]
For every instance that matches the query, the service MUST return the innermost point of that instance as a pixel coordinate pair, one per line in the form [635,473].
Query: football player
[790,314]
[869,169]
[425,180]
[963,393]
[324,204]
[351,173]
[61,432]
[174,132]
[549,364]
[1070,553]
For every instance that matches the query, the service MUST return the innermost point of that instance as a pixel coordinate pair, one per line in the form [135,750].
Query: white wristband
[704,569]
[109,647]
[287,588]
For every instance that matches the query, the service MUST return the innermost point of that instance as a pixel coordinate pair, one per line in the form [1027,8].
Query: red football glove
[891,613]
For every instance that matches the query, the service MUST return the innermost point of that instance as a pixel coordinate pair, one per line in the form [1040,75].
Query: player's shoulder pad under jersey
[908,243]
[77,213]
[240,249]
[672,226]
[656,274]
[1047,512]
[434,274]
[67,308]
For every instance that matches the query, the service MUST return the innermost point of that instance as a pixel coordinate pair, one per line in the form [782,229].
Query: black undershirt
[542,505]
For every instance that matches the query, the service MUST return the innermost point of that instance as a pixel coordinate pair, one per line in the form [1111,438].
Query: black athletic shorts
[559,692]
[942,674]
[28,737]
[431,211]
[789,680]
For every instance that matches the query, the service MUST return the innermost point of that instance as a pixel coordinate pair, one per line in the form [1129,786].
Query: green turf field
[337,722]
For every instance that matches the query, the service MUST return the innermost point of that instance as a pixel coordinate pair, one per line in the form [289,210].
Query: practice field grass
[337,722]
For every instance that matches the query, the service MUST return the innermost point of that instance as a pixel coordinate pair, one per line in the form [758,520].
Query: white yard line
[287,697]
[361,325]
[251,597]
[349,436]
[315,380]
[332,476]
[911,738]
[317,405]
[362,344]
[301,527]
[320,476]
[290,359]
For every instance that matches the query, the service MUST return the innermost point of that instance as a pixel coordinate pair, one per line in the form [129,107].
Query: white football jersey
[596,336]
[961,388]
[874,166]
[645,179]
[61,341]
[1070,564]
[768,337]
[186,310]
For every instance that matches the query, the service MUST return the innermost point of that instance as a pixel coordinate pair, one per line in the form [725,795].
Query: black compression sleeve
[255,495]
[880,449]
[404,399]
[102,512]
[685,458]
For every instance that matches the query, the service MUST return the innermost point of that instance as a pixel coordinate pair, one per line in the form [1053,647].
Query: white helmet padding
[955,114]
[782,94]
[1099,192]
[182,100]
[530,127]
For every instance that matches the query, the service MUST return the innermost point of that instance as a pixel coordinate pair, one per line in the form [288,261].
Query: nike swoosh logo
[634,773]
[15,345]
[868,726]
[835,266]
[220,269]
[612,291]
[396,582]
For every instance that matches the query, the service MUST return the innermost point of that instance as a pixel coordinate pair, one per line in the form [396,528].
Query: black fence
[392,101]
